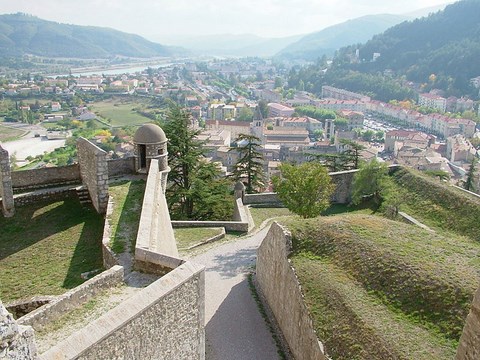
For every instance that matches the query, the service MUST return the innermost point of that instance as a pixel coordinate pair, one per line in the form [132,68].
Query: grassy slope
[9,134]
[429,277]
[437,204]
[45,247]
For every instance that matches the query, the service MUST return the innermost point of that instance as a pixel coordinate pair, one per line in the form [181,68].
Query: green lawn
[192,236]
[46,246]
[9,134]
[121,114]
[127,203]
[260,214]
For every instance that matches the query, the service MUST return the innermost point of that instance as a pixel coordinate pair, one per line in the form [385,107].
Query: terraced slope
[381,289]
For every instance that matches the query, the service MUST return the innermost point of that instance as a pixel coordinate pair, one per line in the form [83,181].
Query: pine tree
[195,190]
[469,181]
[249,167]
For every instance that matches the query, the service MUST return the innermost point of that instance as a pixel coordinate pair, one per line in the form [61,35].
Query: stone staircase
[83,196]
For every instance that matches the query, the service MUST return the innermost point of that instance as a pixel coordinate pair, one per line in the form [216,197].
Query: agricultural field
[9,134]
[120,113]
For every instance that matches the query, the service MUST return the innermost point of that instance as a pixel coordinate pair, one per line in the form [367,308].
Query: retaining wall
[469,346]
[73,298]
[94,173]
[52,194]
[52,176]
[120,167]
[163,321]
[282,291]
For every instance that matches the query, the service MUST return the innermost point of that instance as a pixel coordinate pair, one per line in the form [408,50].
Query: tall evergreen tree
[352,153]
[469,181]
[249,166]
[195,190]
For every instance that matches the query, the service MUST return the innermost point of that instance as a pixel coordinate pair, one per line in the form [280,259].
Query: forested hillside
[446,44]
[24,34]
[440,51]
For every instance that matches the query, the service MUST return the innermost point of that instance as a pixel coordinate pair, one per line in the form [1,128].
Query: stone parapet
[469,345]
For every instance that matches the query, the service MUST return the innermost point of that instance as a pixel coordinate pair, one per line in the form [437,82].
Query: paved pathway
[235,329]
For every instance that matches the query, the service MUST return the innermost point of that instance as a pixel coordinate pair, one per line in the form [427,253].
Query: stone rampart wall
[73,298]
[236,226]
[123,166]
[469,346]
[163,321]
[281,289]
[6,191]
[264,198]
[94,173]
[52,176]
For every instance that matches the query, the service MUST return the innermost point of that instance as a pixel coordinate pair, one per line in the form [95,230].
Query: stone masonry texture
[6,191]
[94,173]
[469,346]
[281,289]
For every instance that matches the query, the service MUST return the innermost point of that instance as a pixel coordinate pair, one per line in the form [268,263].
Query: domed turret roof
[149,134]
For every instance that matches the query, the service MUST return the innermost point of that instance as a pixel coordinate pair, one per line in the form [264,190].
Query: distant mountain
[231,45]
[330,39]
[24,34]
[446,44]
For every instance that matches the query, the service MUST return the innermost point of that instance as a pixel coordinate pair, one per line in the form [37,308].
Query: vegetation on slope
[437,204]
[45,248]
[23,34]
[426,280]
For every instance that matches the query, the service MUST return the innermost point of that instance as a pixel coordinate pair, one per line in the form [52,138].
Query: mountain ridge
[26,34]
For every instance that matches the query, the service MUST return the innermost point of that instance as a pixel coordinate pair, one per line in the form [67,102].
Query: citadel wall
[6,192]
[469,345]
[163,321]
[281,289]
[51,176]
[94,173]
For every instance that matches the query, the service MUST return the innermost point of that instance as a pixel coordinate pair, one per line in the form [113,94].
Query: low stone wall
[163,321]
[16,342]
[40,178]
[52,194]
[109,257]
[263,198]
[229,226]
[282,291]
[469,346]
[154,262]
[22,307]
[73,298]
[120,167]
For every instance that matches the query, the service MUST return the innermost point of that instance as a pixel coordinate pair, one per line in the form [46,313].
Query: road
[29,145]
[235,329]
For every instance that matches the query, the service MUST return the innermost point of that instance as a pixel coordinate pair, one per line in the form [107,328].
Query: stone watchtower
[150,143]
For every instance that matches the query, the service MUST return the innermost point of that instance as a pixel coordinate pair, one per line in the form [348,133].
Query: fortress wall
[281,289]
[38,178]
[469,346]
[119,167]
[263,198]
[6,191]
[163,321]
[343,186]
[73,298]
[94,173]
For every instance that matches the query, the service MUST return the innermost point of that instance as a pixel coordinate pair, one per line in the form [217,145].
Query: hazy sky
[153,18]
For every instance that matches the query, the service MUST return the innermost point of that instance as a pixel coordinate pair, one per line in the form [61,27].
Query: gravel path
[235,329]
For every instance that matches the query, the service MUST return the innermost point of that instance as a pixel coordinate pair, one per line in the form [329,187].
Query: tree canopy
[249,167]
[304,189]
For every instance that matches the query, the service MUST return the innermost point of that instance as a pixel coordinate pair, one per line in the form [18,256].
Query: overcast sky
[157,18]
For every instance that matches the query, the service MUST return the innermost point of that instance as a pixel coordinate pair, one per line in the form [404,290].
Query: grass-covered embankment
[437,204]
[377,287]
